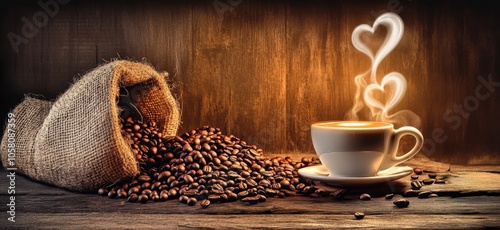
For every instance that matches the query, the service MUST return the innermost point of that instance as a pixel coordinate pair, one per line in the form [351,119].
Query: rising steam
[365,92]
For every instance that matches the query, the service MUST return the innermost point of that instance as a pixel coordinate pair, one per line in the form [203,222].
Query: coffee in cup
[361,148]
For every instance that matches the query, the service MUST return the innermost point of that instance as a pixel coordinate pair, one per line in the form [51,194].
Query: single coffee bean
[339,194]
[163,195]
[414,177]
[191,201]
[133,198]
[143,198]
[103,192]
[243,194]
[365,196]
[389,196]
[416,185]
[432,175]
[417,171]
[214,197]
[251,199]
[424,194]
[401,203]
[183,199]
[359,215]
[432,195]
[205,203]
[438,181]
[428,181]
[112,194]
[261,197]
[410,193]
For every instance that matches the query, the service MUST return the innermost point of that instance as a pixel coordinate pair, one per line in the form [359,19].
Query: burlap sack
[76,142]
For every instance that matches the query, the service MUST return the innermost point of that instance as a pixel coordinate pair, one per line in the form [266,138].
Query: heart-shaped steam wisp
[395,29]
[399,85]
[366,88]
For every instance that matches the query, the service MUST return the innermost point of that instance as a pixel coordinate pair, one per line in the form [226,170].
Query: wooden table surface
[469,199]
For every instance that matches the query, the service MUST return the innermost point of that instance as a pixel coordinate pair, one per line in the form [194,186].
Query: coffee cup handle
[396,137]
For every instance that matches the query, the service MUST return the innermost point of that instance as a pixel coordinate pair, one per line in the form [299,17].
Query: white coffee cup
[361,148]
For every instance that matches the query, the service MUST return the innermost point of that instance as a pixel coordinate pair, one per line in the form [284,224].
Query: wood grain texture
[46,207]
[265,70]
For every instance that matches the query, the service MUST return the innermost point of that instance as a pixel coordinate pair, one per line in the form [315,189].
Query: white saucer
[320,173]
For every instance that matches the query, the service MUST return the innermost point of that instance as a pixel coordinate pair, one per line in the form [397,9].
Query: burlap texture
[78,143]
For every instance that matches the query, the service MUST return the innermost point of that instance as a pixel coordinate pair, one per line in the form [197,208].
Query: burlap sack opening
[79,145]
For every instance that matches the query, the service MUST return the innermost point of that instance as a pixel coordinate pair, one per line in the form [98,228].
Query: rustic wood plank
[260,221]
[263,70]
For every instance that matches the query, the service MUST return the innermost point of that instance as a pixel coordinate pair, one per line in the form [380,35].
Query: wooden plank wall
[265,70]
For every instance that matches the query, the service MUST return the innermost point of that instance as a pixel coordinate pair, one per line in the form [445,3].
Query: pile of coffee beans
[205,166]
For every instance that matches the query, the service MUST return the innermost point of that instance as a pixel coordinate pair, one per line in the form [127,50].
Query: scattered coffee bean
[102,192]
[416,185]
[438,181]
[143,198]
[191,201]
[401,203]
[410,193]
[251,199]
[424,194]
[432,175]
[365,196]
[205,203]
[133,198]
[417,171]
[414,177]
[389,196]
[428,181]
[359,215]
[339,194]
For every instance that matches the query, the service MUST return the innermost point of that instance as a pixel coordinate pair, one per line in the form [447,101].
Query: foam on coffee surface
[353,124]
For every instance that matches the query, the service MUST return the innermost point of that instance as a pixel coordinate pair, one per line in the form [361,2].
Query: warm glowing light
[351,124]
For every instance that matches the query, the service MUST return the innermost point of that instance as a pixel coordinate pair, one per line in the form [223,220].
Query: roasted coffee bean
[322,192]
[401,203]
[143,198]
[133,198]
[410,193]
[424,194]
[365,196]
[103,192]
[281,195]
[339,194]
[417,171]
[389,196]
[416,185]
[428,181]
[164,195]
[172,193]
[359,215]
[438,181]
[414,177]
[183,199]
[144,178]
[432,175]
[112,194]
[191,201]
[243,194]
[205,203]
[204,162]
[214,197]
[251,199]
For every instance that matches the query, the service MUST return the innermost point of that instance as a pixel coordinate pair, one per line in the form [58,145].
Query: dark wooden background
[265,70]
